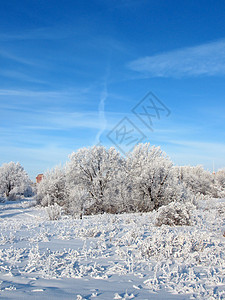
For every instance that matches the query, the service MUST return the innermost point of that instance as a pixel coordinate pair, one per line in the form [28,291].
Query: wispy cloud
[74,120]
[15,57]
[21,76]
[9,97]
[42,33]
[31,93]
[209,146]
[207,59]
[191,152]
[40,121]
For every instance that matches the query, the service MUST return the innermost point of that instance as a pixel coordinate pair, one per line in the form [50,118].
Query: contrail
[101,112]
[101,107]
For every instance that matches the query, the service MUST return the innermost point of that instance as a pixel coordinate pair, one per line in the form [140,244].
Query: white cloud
[207,59]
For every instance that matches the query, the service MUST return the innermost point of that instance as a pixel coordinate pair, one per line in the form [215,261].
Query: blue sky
[71,71]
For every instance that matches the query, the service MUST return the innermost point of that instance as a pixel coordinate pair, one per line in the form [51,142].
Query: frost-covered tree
[94,171]
[14,181]
[196,179]
[219,179]
[151,179]
[52,189]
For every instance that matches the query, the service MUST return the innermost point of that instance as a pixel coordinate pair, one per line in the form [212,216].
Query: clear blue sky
[71,71]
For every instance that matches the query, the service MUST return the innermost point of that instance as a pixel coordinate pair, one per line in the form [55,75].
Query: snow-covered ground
[111,256]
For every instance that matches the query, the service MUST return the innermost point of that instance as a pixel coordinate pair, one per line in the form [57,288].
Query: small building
[39,178]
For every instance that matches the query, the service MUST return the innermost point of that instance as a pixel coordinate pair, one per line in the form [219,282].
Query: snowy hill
[111,256]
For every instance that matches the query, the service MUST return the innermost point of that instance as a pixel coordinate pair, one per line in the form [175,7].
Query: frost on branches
[220,182]
[93,178]
[14,181]
[98,180]
[152,179]
[174,214]
[52,189]
[197,180]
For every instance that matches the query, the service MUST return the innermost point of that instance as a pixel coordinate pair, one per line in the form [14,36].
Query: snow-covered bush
[52,188]
[54,212]
[151,178]
[174,214]
[29,191]
[14,181]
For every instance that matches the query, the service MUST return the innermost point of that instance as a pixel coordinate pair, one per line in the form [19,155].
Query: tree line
[97,180]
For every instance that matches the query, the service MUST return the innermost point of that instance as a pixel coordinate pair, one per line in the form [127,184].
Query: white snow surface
[111,256]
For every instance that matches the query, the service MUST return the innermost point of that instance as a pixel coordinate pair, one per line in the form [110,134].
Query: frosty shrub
[14,181]
[174,214]
[13,196]
[52,189]
[29,191]
[54,212]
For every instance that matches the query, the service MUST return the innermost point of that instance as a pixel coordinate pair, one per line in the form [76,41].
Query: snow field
[111,256]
